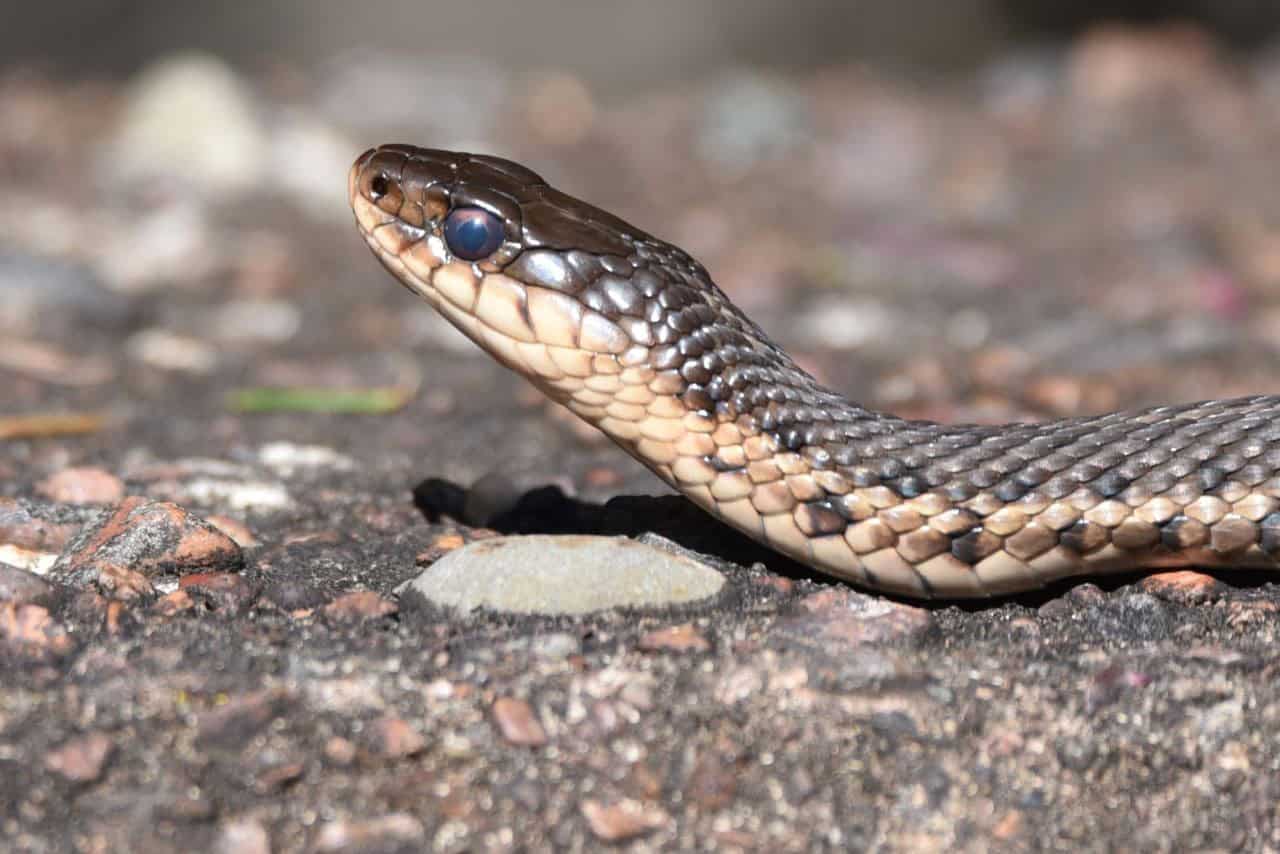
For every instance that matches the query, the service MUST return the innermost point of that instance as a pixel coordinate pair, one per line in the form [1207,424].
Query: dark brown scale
[1253,474]
[617,266]
[820,518]
[548,268]
[665,333]
[623,297]
[1084,537]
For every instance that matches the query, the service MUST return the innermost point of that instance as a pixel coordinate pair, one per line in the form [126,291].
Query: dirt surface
[200,648]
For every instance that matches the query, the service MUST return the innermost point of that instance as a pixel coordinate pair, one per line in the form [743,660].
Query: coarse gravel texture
[200,643]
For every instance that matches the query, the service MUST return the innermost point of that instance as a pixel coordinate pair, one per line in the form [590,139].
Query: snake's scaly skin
[631,334]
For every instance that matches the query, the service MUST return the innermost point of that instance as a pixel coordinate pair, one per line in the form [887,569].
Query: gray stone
[574,574]
[38,292]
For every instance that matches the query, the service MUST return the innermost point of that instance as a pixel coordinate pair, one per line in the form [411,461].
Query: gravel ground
[226,439]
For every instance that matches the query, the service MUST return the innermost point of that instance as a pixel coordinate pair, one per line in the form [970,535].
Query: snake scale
[632,335]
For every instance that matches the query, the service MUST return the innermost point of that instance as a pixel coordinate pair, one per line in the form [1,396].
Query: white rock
[170,351]
[266,320]
[190,120]
[574,574]
[258,495]
[36,562]
[287,457]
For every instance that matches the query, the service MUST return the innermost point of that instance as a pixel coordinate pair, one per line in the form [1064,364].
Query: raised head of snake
[632,335]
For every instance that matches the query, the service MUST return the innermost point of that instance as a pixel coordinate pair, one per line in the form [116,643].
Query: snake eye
[472,233]
[378,187]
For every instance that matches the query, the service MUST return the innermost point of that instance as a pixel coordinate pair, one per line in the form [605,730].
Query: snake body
[631,334]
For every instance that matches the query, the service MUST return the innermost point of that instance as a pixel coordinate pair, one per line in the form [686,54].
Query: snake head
[571,297]
[404,198]
[527,272]
[481,209]
[503,255]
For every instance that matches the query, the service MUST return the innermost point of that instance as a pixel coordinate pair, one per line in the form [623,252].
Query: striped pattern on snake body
[632,335]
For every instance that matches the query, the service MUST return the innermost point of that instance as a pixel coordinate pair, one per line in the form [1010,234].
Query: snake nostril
[379,186]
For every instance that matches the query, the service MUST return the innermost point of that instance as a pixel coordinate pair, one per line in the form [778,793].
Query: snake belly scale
[632,335]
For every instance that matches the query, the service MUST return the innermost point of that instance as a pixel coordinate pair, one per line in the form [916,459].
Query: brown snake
[631,334]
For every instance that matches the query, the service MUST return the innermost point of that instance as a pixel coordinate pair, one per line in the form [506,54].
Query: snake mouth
[393,225]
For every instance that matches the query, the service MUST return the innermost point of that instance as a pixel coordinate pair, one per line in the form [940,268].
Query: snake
[632,335]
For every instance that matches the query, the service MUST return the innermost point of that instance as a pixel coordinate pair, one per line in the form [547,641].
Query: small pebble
[1061,395]
[243,836]
[169,351]
[340,751]
[842,616]
[1113,66]
[360,605]
[31,632]
[124,584]
[27,560]
[224,592]
[738,684]
[53,366]
[439,547]
[276,777]
[683,638]
[87,485]
[234,529]
[518,723]
[397,832]
[173,604]
[82,759]
[1183,586]
[713,783]
[148,537]
[35,526]
[238,494]
[288,458]
[623,820]
[1009,827]
[602,477]
[394,738]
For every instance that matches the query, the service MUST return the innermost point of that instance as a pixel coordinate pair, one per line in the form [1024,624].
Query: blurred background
[968,210]
[618,46]
[960,210]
